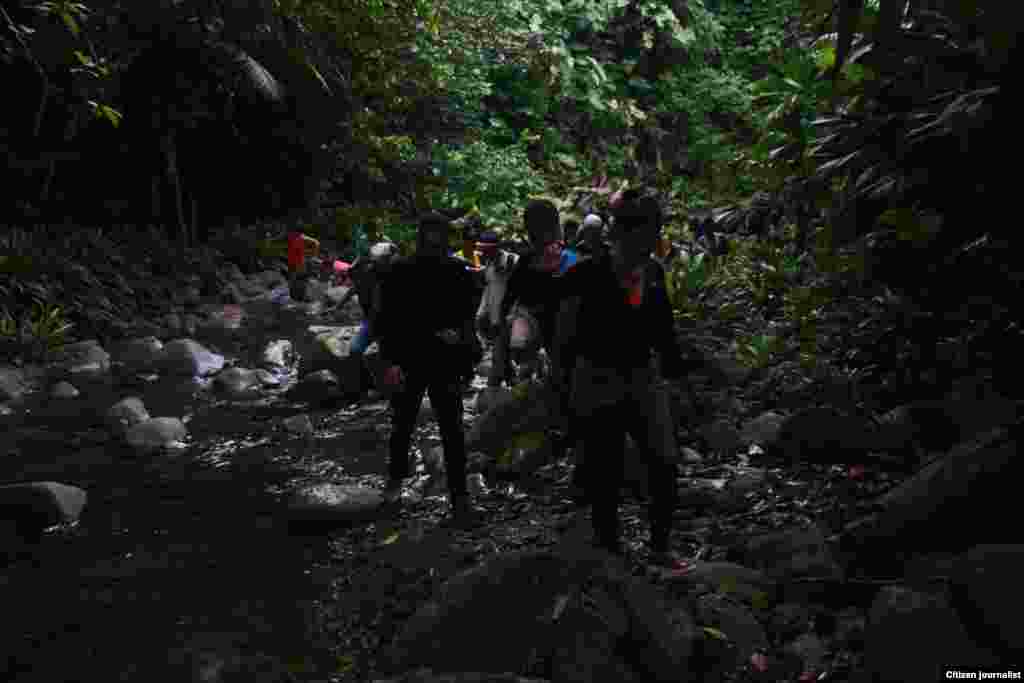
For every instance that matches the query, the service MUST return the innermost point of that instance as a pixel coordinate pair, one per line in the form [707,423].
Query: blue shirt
[569,259]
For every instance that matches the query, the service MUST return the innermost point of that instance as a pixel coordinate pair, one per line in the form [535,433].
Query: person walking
[425,324]
[530,303]
[615,312]
[300,245]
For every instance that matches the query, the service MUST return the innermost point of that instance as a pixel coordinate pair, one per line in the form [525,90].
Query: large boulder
[13,383]
[949,504]
[83,358]
[125,414]
[582,614]
[36,505]
[528,412]
[189,357]
[156,433]
[238,383]
[139,355]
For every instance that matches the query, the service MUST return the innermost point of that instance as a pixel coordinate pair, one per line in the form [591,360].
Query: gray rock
[41,504]
[156,433]
[299,424]
[189,357]
[949,504]
[330,348]
[277,354]
[172,323]
[125,414]
[791,554]
[762,430]
[581,612]
[139,355]
[267,378]
[64,389]
[237,382]
[231,294]
[335,502]
[12,383]
[81,358]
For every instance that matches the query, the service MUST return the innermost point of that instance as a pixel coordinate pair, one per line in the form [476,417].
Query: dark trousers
[603,433]
[446,400]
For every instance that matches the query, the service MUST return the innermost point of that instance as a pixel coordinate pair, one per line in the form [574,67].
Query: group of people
[597,307]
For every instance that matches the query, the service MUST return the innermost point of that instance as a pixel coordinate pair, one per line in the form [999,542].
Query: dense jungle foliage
[844,149]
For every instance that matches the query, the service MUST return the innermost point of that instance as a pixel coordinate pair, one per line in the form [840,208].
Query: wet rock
[299,424]
[336,294]
[762,430]
[585,615]
[735,621]
[789,620]
[12,383]
[83,358]
[720,436]
[237,382]
[476,484]
[986,594]
[269,279]
[37,505]
[277,354]
[156,433]
[139,355]
[335,502]
[189,357]
[64,390]
[790,554]
[949,504]
[824,435]
[910,634]
[125,414]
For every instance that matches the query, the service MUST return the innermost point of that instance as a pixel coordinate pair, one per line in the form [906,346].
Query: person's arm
[312,244]
[562,353]
[663,336]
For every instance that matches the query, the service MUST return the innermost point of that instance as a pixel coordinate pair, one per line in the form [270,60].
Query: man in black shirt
[425,326]
[614,313]
[532,284]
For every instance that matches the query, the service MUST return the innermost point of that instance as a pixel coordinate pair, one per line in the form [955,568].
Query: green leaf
[714,633]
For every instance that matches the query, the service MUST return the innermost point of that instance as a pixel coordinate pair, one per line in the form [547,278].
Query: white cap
[592,221]
[382,250]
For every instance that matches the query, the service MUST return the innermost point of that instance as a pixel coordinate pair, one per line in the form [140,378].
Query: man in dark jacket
[615,312]
[425,324]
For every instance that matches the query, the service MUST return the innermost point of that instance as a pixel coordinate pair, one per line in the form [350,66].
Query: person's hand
[393,377]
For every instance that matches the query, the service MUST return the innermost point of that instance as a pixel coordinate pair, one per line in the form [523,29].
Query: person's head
[570,227]
[487,243]
[542,224]
[592,232]
[636,228]
[432,236]
[383,252]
